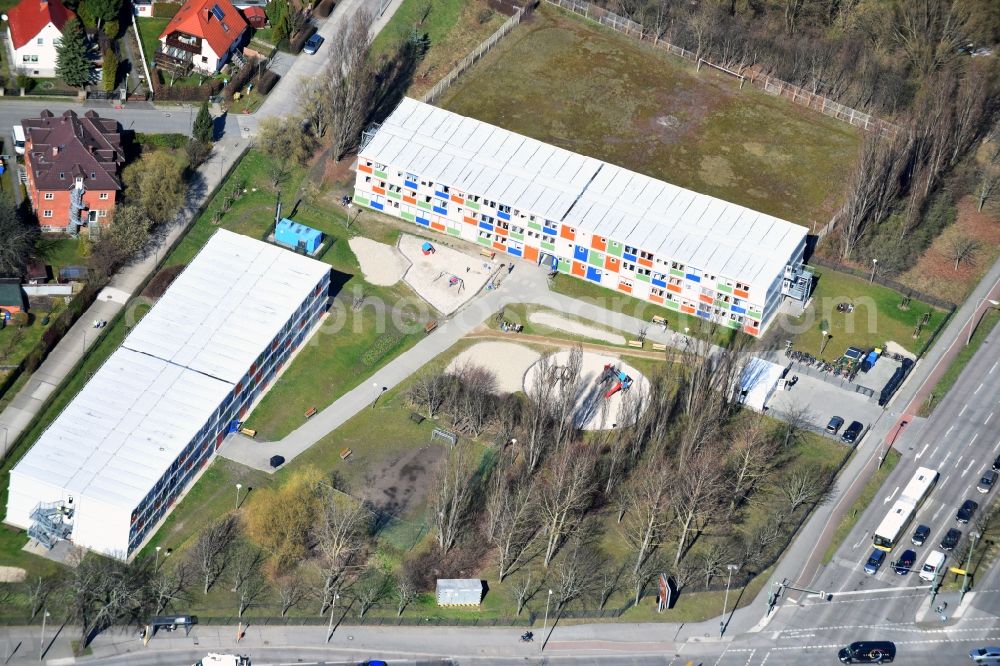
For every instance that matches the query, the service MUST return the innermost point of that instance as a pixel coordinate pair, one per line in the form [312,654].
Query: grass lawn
[850,518]
[59,251]
[247,103]
[877,318]
[566,81]
[948,379]
[150,30]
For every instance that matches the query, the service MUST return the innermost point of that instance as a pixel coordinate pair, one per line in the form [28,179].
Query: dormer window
[93,175]
[62,175]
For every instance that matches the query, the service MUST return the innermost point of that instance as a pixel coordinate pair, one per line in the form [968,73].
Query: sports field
[563,80]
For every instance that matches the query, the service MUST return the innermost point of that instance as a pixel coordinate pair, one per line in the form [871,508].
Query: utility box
[297,237]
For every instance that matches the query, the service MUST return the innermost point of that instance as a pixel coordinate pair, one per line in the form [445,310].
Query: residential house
[34,28]
[73,164]
[203,35]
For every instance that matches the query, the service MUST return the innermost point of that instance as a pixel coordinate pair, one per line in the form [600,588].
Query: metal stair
[48,523]
[239,59]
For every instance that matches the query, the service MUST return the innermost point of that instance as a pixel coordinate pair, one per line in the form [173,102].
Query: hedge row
[267,81]
[165,9]
[240,79]
[325,8]
[298,40]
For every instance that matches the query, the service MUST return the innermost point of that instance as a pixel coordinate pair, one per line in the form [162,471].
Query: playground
[508,361]
[605,385]
[574,327]
[381,264]
[444,277]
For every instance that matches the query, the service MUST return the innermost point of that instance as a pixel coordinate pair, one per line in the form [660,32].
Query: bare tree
[749,461]
[106,590]
[370,589]
[474,399]
[872,188]
[804,486]
[511,512]
[250,591]
[245,560]
[536,422]
[648,519]
[428,392]
[711,561]
[695,493]
[169,585]
[38,590]
[209,554]
[454,494]
[522,590]
[565,395]
[608,581]
[989,170]
[794,423]
[963,248]
[574,574]
[340,535]
[292,589]
[567,484]
[350,82]
[405,591]
[929,32]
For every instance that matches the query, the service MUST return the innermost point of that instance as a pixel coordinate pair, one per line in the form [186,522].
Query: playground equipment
[427,248]
[453,280]
[622,382]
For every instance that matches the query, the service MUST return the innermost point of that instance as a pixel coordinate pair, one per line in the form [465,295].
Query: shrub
[267,81]
[165,9]
[298,40]
[325,8]
[154,141]
[25,82]
[239,79]
[111,29]
[382,346]
[162,280]
[20,319]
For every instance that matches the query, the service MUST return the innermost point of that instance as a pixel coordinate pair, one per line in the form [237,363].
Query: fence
[468,61]
[767,83]
[885,282]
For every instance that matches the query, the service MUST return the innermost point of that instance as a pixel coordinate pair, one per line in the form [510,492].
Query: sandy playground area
[567,325]
[594,411]
[382,264]
[431,275]
[507,360]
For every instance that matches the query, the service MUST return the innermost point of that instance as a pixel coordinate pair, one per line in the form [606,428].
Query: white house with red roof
[203,35]
[34,28]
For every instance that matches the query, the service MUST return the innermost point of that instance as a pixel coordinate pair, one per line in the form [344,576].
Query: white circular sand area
[594,411]
[567,325]
[381,264]
[507,360]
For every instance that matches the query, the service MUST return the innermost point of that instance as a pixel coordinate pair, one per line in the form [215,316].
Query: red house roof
[28,18]
[215,21]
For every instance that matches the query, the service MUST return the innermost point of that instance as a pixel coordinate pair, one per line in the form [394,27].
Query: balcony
[173,59]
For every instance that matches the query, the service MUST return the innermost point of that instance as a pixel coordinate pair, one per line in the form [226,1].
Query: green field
[149,32]
[566,81]
[989,321]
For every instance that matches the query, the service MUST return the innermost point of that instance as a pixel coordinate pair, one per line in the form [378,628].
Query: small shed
[72,274]
[255,16]
[37,273]
[758,382]
[12,298]
[459,591]
[297,236]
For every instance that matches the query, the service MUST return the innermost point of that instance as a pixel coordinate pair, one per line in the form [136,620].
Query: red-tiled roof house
[33,28]
[203,35]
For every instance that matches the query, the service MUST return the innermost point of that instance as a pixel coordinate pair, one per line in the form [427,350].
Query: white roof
[123,430]
[758,379]
[471,156]
[227,306]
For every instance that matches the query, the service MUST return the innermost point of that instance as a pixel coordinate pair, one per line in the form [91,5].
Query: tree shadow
[393,76]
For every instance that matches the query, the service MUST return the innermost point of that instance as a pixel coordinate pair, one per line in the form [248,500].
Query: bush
[161,91]
[382,346]
[165,9]
[158,285]
[25,82]
[168,141]
[239,80]
[298,40]
[267,81]
[325,8]
[111,29]
[20,319]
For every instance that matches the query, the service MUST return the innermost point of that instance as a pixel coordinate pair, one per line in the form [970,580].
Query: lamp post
[725,599]
[874,264]
[379,390]
[545,622]
[41,643]
[157,565]
[329,628]
[973,536]
[238,486]
[974,322]
[822,344]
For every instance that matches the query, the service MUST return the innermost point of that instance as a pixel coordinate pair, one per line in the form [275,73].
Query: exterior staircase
[48,523]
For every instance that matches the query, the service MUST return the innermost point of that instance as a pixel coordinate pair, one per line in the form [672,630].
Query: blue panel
[423,221]
[692,277]
[514,251]
[739,310]
[503,216]
[593,274]
[412,184]
[377,206]
[630,257]
[659,283]
[439,210]
[550,232]
[580,253]
[702,313]
[442,195]
[486,225]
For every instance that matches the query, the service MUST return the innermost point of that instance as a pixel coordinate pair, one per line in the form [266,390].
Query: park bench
[488,254]
[416,418]
[431,325]
[310,412]
[659,321]
[249,432]
[635,343]
[657,346]
[345,454]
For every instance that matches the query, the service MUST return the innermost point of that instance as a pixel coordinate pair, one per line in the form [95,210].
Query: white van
[932,565]
[18,139]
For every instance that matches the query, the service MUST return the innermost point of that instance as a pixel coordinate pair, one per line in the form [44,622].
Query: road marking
[934,452]
[977,388]
[917,457]
[959,461]
[988,418]
[971,463]
[891,495]
[949,430]
[946,456]
[994,367]
[764,660]
[997,446]
[964,407]
[863,538]
[971,441]
[936,513]
[750,658]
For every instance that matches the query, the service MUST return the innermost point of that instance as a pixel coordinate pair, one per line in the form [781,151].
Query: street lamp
[238,486]
[975,322]
[973,536]
[822,344]
[329,629]
[379,390]
[157,565]
[41,643]
[725,600]
[874,264]
[545,622]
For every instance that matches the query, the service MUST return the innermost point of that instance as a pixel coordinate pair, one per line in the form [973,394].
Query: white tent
[758,382]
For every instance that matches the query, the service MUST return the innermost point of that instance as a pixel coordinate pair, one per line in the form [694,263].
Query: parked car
[834,425]
[852,433]
[996,464]
[920,535]
[951,539]
[966,511]
[868,652]
[312,44]
[875,561]
[904,564]
[987,482]
[985,655]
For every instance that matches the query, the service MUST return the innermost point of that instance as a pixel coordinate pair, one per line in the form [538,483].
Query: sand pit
[430,275]
[381,264]
[567,325]
[594,411]
[509,361]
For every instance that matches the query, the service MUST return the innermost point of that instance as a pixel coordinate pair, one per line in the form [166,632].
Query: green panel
[381,174]
[535,226]
[472,204]
[454,232]
[755,314]
[516,236]
[564,266]
[550,247]
[723,287]
[732,323]
[615,251]
[361,200]
[596,259]
[674,271]
[721,304]
[485,241]
[424,205]
[408,216]
[641,277]
[673,305]
[394,195]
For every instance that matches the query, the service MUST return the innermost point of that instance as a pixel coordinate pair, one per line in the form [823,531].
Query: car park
[920,535]
[951,539]
[868,652]
[985,655]
[904,564]
[987,482]
[966,511]
[312,44]
[932,565]
[834,425]
[875,561]
[852,433]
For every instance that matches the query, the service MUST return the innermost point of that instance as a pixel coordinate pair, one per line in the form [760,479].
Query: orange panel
[674,288]
[378,190]
[365,168]
[611,264]
[706,299]
[409,200]
[531,253]
[500,246]
[655,298]
[566,232]
[624,287]
[751,330]
[579,269]
[687,308]
[741,293]
[500,231]
[598,243]
[645,262]
[437,226]
[469,220]
[457,199]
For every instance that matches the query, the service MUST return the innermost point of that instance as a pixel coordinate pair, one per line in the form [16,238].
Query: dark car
[966,511]
[985,655]
[951,539]
[852,433]
[312,44]
[834,425]
[905,562]
[875,561]
[987,482]
[996,464]
[920,535]
[868,652]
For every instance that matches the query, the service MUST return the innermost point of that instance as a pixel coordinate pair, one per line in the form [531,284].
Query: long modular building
[599,222]
[112,464]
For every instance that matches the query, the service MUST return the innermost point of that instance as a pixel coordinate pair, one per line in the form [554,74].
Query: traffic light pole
[772,599]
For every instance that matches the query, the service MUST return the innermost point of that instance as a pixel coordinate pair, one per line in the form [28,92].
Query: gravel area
[561,323]
[382,264]
[430,275]
[507,360]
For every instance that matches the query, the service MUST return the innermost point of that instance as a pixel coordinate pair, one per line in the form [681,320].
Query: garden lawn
[566,81]
[150,30]
[877,318]
[989,321]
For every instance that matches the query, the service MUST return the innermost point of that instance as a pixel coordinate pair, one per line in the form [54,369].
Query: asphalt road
[138,117]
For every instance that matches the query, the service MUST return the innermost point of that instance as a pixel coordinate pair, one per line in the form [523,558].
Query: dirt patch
[507,360]
[12,574]
[403,482]
[381,264]
[575,327]
[446,278]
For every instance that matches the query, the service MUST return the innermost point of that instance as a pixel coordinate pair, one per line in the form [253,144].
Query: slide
[614,389]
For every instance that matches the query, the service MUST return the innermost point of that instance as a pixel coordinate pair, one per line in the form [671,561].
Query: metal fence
[767,83]
[468,61]
[885,282]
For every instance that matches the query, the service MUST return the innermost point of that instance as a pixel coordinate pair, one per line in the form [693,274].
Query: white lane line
[918,456]
[966,470]
[959,461]
[936,513]
[994,367]
[891,495]
[764,660]
[964,407]
[949,431]
[946,456]
[864,538]
[977,388]
[988,418]
[943,482]
[997,446]
[934,452]
[973,440]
